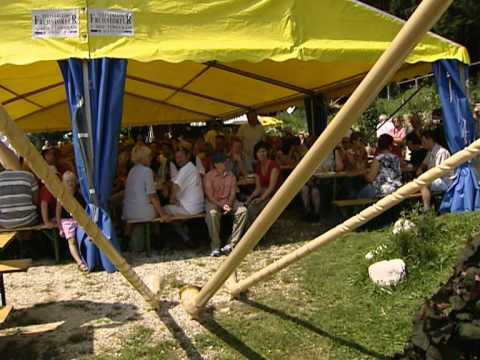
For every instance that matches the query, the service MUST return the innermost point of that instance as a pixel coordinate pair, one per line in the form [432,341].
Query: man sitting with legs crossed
[220,188]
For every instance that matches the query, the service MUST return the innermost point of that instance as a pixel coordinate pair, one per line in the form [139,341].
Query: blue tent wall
[106,86]
[451,77]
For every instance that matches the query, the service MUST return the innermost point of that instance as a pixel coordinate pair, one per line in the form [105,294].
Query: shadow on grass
[177,332]
[208,322]
[313,328]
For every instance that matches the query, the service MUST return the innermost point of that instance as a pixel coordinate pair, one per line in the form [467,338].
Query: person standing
[250,134]
[384,125]
[220,192]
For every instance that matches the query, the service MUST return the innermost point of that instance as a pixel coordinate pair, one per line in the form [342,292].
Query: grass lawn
[324,308]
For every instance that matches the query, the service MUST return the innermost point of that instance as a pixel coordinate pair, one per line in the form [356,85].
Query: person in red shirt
[47,202]
[267,181]
[220,187]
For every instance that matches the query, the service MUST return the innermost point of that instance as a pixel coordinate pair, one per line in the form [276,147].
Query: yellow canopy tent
[192,60]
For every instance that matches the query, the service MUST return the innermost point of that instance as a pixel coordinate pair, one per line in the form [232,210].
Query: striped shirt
[17,190]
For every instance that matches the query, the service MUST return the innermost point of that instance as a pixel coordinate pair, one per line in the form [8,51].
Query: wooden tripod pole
[363,217]
[38,165]
[424,17]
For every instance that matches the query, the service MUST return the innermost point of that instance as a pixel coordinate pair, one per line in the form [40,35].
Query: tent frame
[421,21]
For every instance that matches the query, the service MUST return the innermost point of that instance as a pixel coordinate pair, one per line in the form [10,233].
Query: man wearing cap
[220,190]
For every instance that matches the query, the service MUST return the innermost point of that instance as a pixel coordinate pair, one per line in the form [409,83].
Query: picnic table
[9,266]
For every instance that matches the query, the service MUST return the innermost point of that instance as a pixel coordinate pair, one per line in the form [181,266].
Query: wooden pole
[38,165]
[360,219]
[424,17]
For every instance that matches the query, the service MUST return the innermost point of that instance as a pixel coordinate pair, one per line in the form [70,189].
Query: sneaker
[227,249]
[215,253]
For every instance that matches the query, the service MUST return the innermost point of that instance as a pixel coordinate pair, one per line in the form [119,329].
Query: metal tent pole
[425,16]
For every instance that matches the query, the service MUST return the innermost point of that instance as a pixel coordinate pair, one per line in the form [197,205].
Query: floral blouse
[389,176]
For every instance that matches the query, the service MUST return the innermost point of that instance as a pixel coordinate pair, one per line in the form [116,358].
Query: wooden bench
[4,312]
[50,232]
[11,266]
[367,201]
[360,202]
[148,229]
[6,238]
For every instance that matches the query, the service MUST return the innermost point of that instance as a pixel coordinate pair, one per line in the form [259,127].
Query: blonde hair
[69,175]
[140,152]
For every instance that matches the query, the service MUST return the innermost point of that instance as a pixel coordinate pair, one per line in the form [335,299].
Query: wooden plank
[9,266]
[6,238]
[30,228]
[31,329]
[4,312]
[172,219]
[358,202]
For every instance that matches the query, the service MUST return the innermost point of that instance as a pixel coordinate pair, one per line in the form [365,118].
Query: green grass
[336,313]
[139,344]
[325,307]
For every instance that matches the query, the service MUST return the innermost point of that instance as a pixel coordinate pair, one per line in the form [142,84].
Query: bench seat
[4,312]
[10,266]
[367,201]
[50,232]
[172,219]
[6,238]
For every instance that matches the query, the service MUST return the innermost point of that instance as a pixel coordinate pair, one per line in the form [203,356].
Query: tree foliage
[460,23]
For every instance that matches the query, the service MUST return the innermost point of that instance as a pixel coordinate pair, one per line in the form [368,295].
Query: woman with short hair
[140,202]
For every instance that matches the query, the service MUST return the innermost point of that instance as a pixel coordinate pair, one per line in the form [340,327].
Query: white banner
[105,22]
[58,23]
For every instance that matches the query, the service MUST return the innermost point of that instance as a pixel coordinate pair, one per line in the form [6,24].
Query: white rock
[369,255]
[402,225]
[387,273]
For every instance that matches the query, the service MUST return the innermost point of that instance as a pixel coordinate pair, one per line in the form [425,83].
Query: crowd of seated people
[188,176]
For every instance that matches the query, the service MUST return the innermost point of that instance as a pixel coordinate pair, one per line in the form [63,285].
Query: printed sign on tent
[103,22]
[58,23]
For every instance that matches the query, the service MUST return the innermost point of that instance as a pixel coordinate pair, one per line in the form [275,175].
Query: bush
[421,245]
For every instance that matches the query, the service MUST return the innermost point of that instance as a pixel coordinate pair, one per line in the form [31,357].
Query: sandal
[83,267]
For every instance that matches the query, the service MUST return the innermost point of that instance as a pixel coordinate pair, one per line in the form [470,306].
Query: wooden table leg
[148,236]
[2,291]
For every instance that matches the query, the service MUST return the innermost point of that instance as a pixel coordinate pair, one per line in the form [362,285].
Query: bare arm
[44,212]
[58,213]
[339,165]
[372,171]
[258,190]
[156,205]
[272,184]
[173,193]
[209,193]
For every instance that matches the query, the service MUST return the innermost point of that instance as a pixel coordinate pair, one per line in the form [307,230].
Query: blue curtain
[451,77]
[95,155]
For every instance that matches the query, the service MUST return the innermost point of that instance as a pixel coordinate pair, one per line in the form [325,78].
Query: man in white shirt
[384,125]
[250,134]
[435,156]
[186,196]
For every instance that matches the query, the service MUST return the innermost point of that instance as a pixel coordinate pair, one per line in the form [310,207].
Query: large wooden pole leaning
[38,165]
[360,219]
[425,16]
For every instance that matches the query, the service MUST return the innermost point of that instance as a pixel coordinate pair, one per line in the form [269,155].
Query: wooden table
[246,181]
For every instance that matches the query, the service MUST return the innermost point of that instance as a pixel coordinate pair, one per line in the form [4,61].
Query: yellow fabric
[269,121]
[312,45]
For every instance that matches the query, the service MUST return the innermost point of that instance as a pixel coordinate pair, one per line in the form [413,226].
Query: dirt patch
[99,309]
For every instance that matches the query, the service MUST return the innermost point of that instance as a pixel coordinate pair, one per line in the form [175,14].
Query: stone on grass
[387,273]
[402,225]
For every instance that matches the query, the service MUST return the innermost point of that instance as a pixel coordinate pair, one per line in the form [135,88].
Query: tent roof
[196,60]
